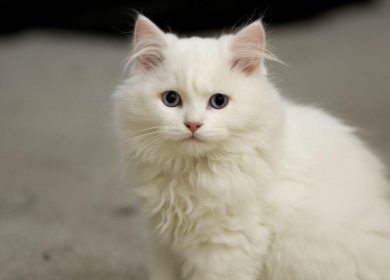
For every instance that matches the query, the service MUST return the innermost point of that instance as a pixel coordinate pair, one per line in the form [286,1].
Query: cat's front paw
[163,274]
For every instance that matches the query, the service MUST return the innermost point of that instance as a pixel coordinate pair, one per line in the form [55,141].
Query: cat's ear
[248,47]
[148,43]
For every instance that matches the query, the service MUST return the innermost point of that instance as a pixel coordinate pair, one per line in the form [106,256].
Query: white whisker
[136,137]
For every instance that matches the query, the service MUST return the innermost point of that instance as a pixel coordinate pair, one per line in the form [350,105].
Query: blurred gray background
[65,209]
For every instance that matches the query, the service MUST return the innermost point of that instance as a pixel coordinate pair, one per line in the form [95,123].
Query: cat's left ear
[248,47]
[148,43]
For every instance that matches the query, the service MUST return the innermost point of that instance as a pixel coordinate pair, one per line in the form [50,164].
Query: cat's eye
[171,98]
[218,101]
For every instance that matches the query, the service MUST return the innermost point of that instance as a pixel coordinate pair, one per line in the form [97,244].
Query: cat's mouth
[194,145]
[194,139]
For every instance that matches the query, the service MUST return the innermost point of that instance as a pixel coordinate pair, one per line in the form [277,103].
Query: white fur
[274,190]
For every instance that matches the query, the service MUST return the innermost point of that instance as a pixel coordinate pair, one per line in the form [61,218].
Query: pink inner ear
[149,42]
[248,47]
[150,58]
[246,65]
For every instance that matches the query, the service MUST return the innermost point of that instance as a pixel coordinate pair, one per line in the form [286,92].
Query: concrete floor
[65,210]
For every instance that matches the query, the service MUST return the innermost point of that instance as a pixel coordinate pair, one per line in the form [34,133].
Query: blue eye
[218,101]
[171,98]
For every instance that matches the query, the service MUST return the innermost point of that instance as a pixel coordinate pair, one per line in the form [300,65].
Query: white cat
[237,182]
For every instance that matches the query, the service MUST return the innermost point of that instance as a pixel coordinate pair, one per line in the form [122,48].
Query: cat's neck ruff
[185,193]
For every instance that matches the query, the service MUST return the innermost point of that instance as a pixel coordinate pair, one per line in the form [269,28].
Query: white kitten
[237,182]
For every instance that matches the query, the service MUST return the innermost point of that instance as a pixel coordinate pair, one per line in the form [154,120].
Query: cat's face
[193,96]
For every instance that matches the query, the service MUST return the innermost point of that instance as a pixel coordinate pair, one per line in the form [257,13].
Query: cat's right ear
[248,47]
[148,43]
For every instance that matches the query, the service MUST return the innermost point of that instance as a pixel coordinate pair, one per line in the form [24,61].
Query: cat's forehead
[199,62]
[206,49]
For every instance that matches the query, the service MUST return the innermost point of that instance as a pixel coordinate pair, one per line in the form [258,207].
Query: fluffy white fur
[269,190]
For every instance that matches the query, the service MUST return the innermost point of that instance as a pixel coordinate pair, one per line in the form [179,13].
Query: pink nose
[193,126]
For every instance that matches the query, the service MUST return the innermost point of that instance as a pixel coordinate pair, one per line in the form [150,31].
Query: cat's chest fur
[209,202]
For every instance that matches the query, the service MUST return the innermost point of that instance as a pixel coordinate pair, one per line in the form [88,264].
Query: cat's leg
[234,256]
[162,263]
[222,264]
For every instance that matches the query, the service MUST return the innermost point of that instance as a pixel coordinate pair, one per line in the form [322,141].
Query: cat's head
[196,96]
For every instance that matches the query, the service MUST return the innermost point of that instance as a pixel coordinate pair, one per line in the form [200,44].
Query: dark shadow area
[115,17]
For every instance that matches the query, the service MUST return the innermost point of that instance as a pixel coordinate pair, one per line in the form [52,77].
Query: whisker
[135,137]
[147,147]
[148,128]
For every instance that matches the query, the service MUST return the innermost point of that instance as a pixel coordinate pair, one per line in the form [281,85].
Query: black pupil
[171,97]
[219,99]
